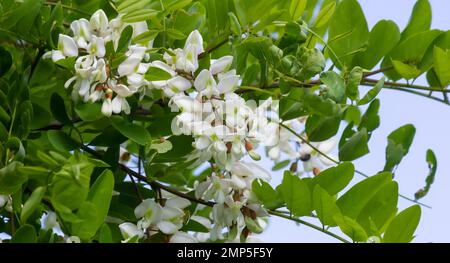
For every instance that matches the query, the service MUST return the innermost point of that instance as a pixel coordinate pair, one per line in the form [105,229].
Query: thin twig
[71,8]
[275,213]
[337,162]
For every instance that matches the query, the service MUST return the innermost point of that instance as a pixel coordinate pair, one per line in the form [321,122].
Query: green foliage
[296,194]
[402,227]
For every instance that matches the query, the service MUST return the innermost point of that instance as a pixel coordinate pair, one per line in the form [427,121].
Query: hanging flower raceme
[95,79]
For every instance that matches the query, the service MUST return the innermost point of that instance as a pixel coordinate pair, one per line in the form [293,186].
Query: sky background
[431,120]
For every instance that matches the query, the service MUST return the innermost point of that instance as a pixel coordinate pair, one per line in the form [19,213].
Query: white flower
[205,84]
[73,239]
[97,47]
[129,231]
[50,221]
[214,188]
[119,104]
[66,48]
[149,212]
[228,81]
[82,32]
[195,41]
[220,65]
[187,60]
[4,199]
[107,107]
[172,215]
[243,174]
[99,22]
[312,159]
[182,237]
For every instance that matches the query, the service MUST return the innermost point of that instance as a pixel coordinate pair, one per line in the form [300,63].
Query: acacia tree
[145,120]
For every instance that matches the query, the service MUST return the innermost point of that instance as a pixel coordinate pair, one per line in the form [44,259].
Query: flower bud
[248,146]
[254,155]
[316,171]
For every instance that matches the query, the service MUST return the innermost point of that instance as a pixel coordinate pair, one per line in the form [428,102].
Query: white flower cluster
[234,205]
[154,217]
[225,127]
[94,79]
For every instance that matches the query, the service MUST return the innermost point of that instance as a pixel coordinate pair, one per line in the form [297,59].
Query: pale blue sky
[398,108]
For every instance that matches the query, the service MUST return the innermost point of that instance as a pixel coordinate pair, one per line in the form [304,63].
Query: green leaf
[59,109]
[108,137]
[379,209]
[350,227]
[321,106]
[357,197]
[61,141]
[261,48]
[354,147]
[348,17]
[266,194]
[162,147]
[175,34]
[403,226]
[70,185]
[10,179]
[394,155]
[155,74]
[146,36]
[335,179]
[188,20]
[441,62]
[410,50]
[405,70]
[125,38]
[296,9]
[25,234]
[100,197]
[354,79]
[135,132]
[292,105]
[32,203]
[296,194]
[131,5]
[234,24]
[372,93]
[66,63]
[319,128]
[420,19]
[324,15]
[352,114]
[325,206]
[443,42]
[105,235]
[195,226]
[404,136]
[280,165]
[5,61]
[335,85]
[89,111]
[371,120]
[382,39]
[139,15]
[432,166]
[88,214]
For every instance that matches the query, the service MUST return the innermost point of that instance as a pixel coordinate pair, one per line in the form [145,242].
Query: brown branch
[381,70]
[152,183]
[405,85]
[213,47]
